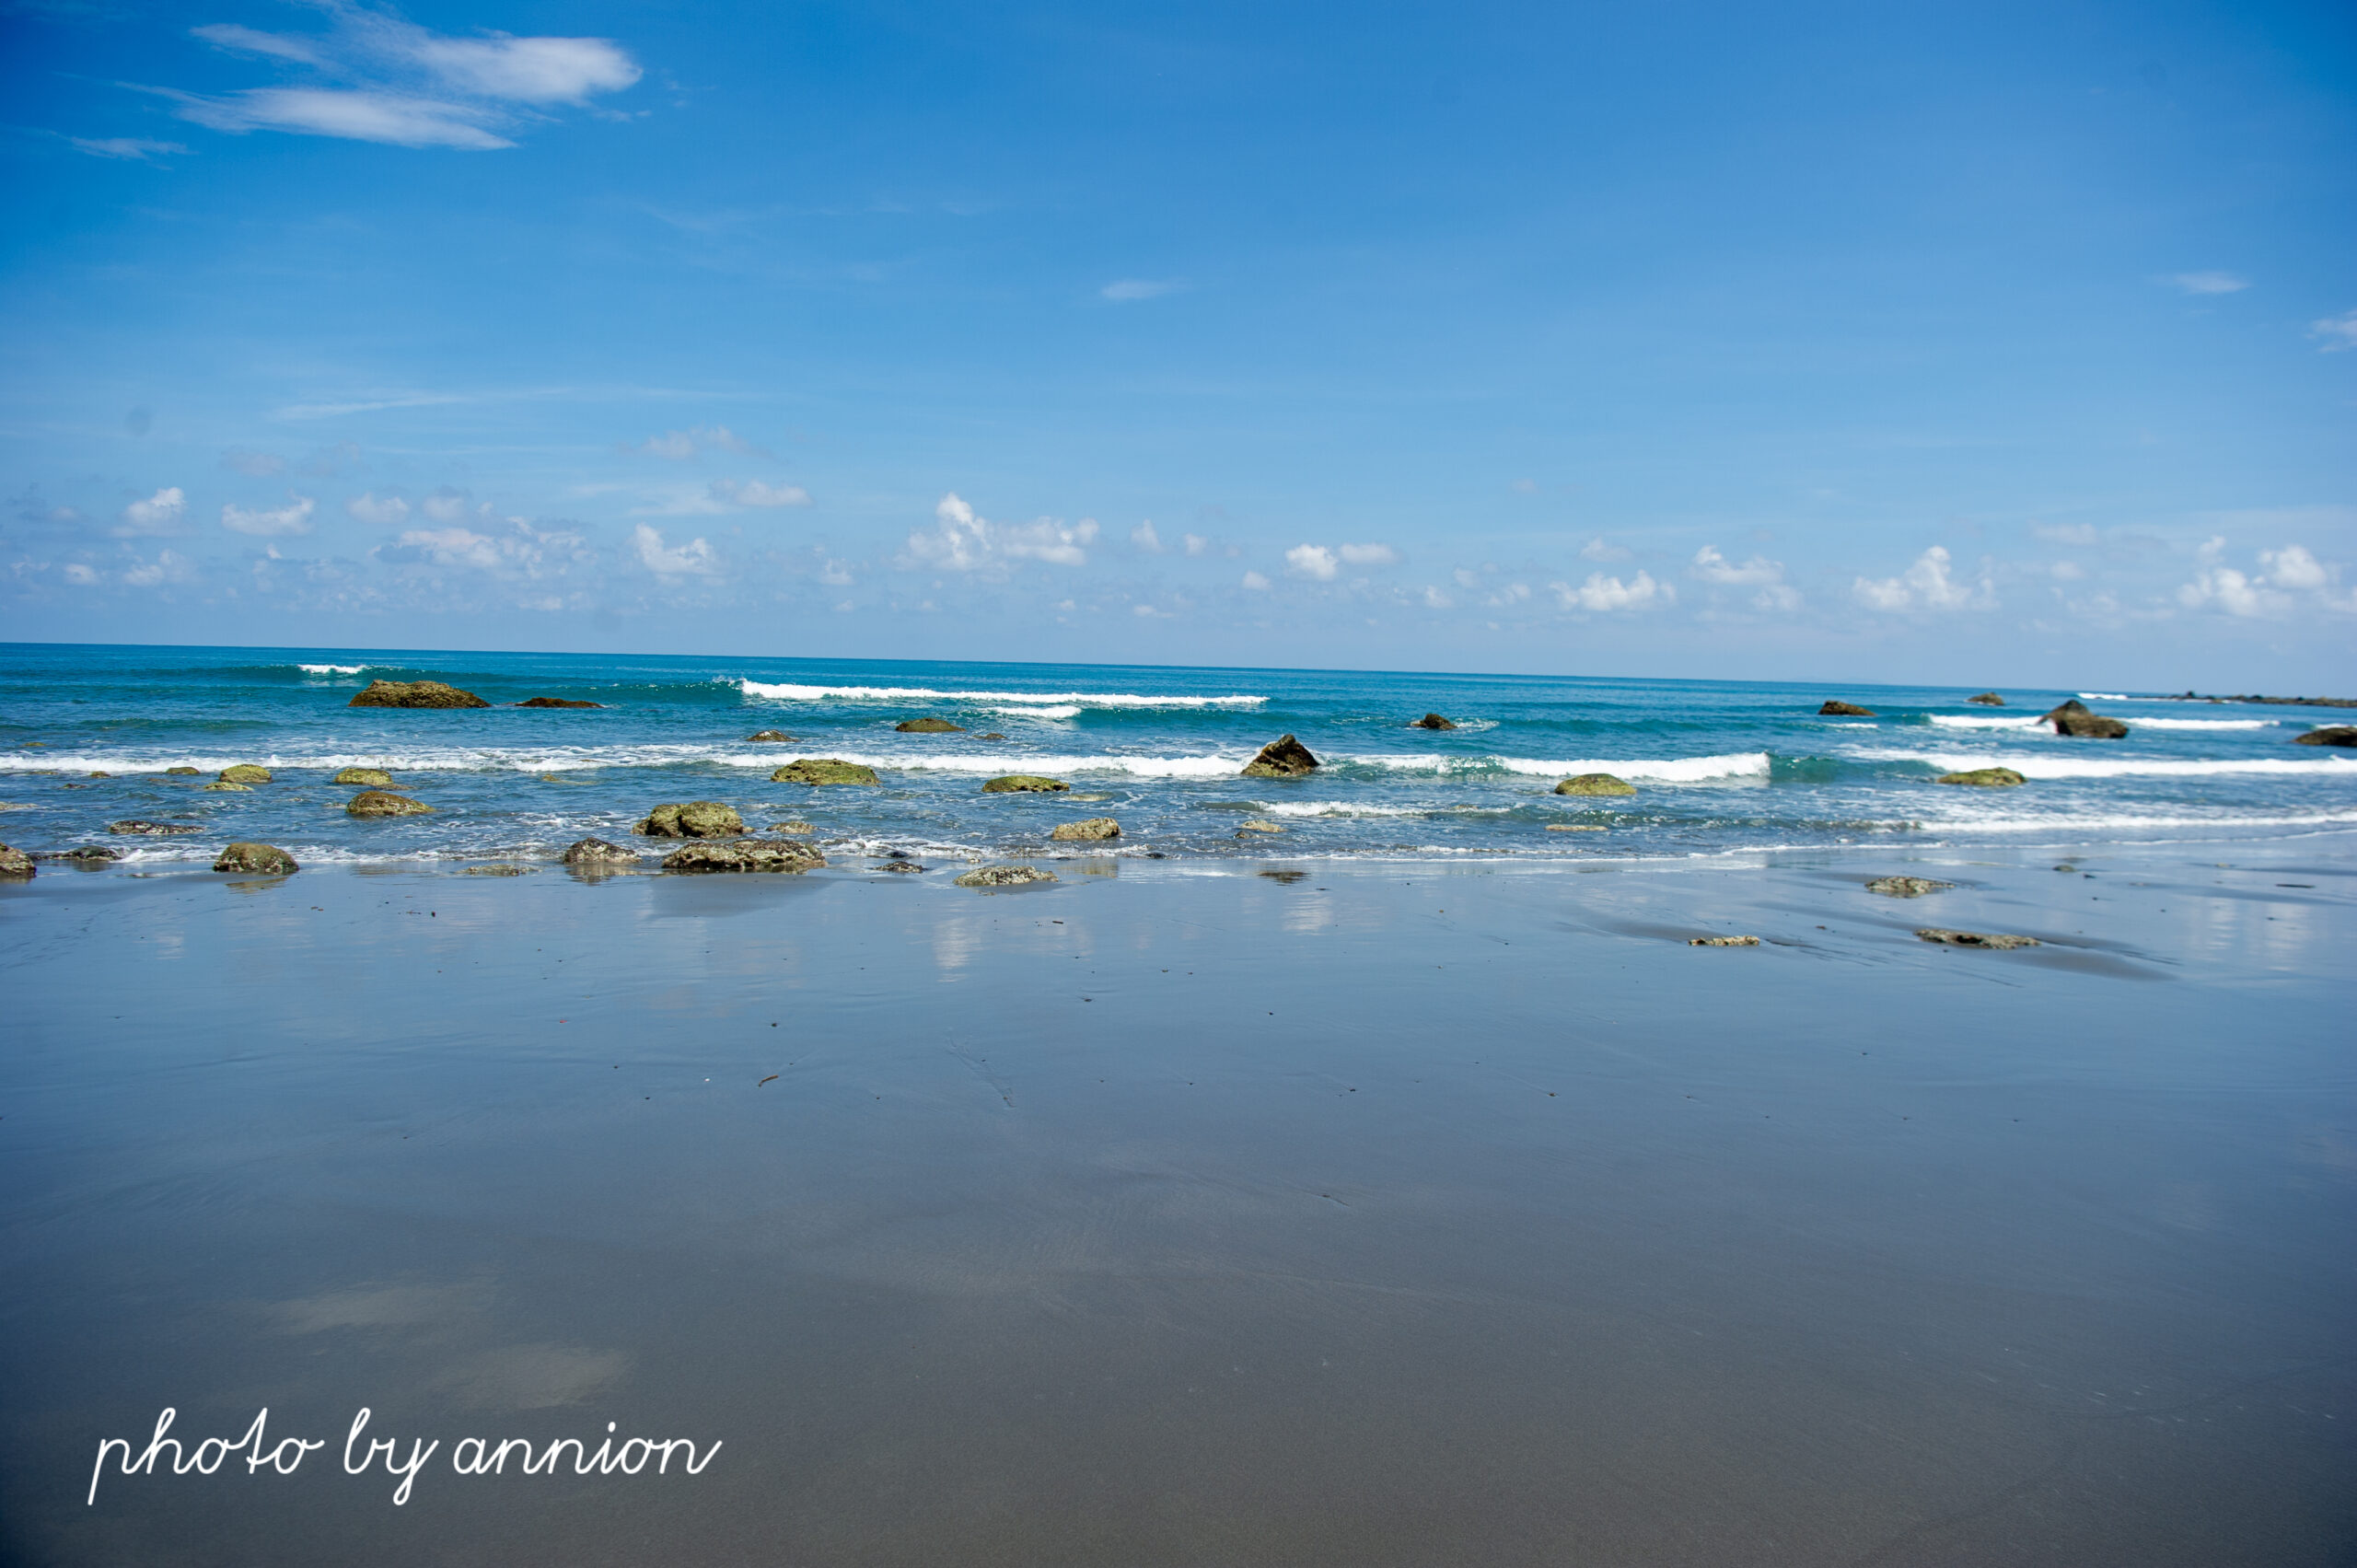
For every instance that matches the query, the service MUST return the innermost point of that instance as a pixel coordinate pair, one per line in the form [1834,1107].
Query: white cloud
[1145,538]
[1435,599]
[1714,567]
[2067,571]
[261,465]
[694,558]
[2290,567]
[1312,561]
[446,505]
[962,541]
[679,446]
[81,576]
[2209,283]
[1465,577]
[295,518]
[391,117]
[1597,549]
[2290,572]
[1122,291]
[1369,555]
[836,575]
[1601,594]
[1927,585]
[384,512]
[1196,543]
[757,492]
[452,547]
[1510,594]
[161,513]
[1257,583]
[247,41]
[167,567]
[1149,612]
[2338,332]
[1777,597]
[518,550]
[526,70]
[130,150]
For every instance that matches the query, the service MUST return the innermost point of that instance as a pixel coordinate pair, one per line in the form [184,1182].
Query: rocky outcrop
[257,860]
[795,826]
[598,852]
[2329,735]
[1987,700]
[367,778]
[1845,710]
[1723,941]
[900,866]
[244,774]
[384,803]
[416,694]
[1431,720]
[183,773]
[1595,783]
[1284,758]
[1975,939]
[526,702]
[746,854]
[497,868]
[1906,886]
[693,819]
[1985,778]
[1093,830]
[2187,697]
[2074,717]
[14,861]
[1023,783]
[929,725]
[817,771]
[139,827]
[768,735]
[1004,877]
[84,857]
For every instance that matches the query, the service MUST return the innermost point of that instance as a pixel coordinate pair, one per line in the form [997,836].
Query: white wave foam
[1660,769]
[2202,724]
[1986,721]
[1053,711]
[1342,809]
[331,669]
[2078,767]
[2037,726]
[2067,822]
[786,691]
[2106,697]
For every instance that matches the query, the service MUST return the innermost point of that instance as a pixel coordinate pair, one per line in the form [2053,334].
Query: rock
[1092,798]
[1575,827]
[549,702]
[1845,710]
[1022,784]
[384,803]
[373,778]
[1595,783]
[1260,825]
[415,694]
[2329,734]
[89,857]
[817,771]
[101,775]
[1906,886]
[1004,877]
[929,725]
[1431,720]
[1975,939]
[693,819]
[795,826]
[2073,717]
[1284,758]
[244,774]
[258,860]
[598,852]
[183,773]
[1090,832]
[1987,700]
[14,861]
[768,735]
[1723,941]
[141,827]
[1985,778]
[993,735]
[551,778]
[746,854]
[497,868]
[231,788]
[900,865]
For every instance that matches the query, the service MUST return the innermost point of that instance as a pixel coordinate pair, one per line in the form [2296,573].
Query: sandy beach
[1287,1213]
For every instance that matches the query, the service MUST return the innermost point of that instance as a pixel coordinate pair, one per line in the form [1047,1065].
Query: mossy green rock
[257,860]
[373,778]
[416,694]
[823,770]
[14,861]
[929,725]
[1837,709]
[693,819]
[245,773]
[1595,783]
[230,788]
[1090,832]
[1022,784]
[383,803]
[746,854]
[1987,700]
[1004,877]
[1985,778]
[183,773]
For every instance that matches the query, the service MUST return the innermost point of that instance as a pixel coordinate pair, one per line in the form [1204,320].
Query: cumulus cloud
[2209,283]
[1599,549]
[836,575]
[2290,573]
[755,492]
[1123,291]
[962,541]
[1313,560]
[1601,594]
[161,513]
[694,558]
[2338,332]
[168,568]
[2291,567]
[446,505]
[1196,543]
[1758,572]
[1435,599]
[295,518]
[1255,582]
[391,511]
[1142,536]
[517,548]
[80,575]
[1928,585]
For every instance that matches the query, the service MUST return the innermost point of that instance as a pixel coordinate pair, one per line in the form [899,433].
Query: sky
[1949,342]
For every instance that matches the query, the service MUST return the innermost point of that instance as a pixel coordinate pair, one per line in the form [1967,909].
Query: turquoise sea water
[1719,766]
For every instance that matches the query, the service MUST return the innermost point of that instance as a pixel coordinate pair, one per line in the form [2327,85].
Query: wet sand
[1384,1214]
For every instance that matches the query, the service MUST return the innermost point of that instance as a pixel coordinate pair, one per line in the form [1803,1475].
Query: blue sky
[1981,341]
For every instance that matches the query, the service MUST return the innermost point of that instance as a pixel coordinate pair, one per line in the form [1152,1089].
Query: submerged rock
[900,865]
[230,788]
[555,702]
[746,854]
[183,773]
[1987,700]
[415,694]
[1004,877]
[1089,831]
[598,852]
[2329,734]
[1431,720]
[373,778]
[793,825]
[1595,783]
[693,819]
[823,770]
[1845,710]
[1022,784]
[244,774]
[1975,939]
[14,861]
[2074,717]
[1723,941]
[141,827]
[992,734]
[1260,825]
[384,803]
[497,868]
[89,857]
[1906,886]
[1284,758]
[1985,778]
[259,860]
[929,725]
[768,735]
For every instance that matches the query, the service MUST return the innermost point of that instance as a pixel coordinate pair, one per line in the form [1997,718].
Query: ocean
[1718,766]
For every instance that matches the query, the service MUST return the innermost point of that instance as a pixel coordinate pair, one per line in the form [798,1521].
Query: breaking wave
[787,692]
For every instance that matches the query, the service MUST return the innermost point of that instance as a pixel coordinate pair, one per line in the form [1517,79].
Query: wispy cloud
[295,518]
[1322,563]
[390,511]
[133,149]
[679,446]
[1124,291]
[2208,283]
[158,514]
[2338,332]
[755,492]
[1142,536]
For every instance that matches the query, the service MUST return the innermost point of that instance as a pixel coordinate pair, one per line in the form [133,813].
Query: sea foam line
[2055,767]
[332,668]
[2036,725]
[787,692]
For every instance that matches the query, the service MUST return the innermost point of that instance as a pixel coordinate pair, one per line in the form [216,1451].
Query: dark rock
[14,863]
[1004,877]
[1906,886]
[1987,700]
[86,857]
[1595,783]
[2329,735]
[141,827]
[1090,832]
[183,773]
[900,865]
[693,819]
[497,868]
[528,702]
[1975,939]
[1985,778]
[598,852]
[259,860]
[929,725]
[1723,941]
[1431,720]
[1845,710]
[768,735]
[244,774]
[1022,784]
[384,803]
[992,734]
[1284,758]
[217,784]
[416,694]
[815,771]
[746,854]
[2073,717]
[369,778]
